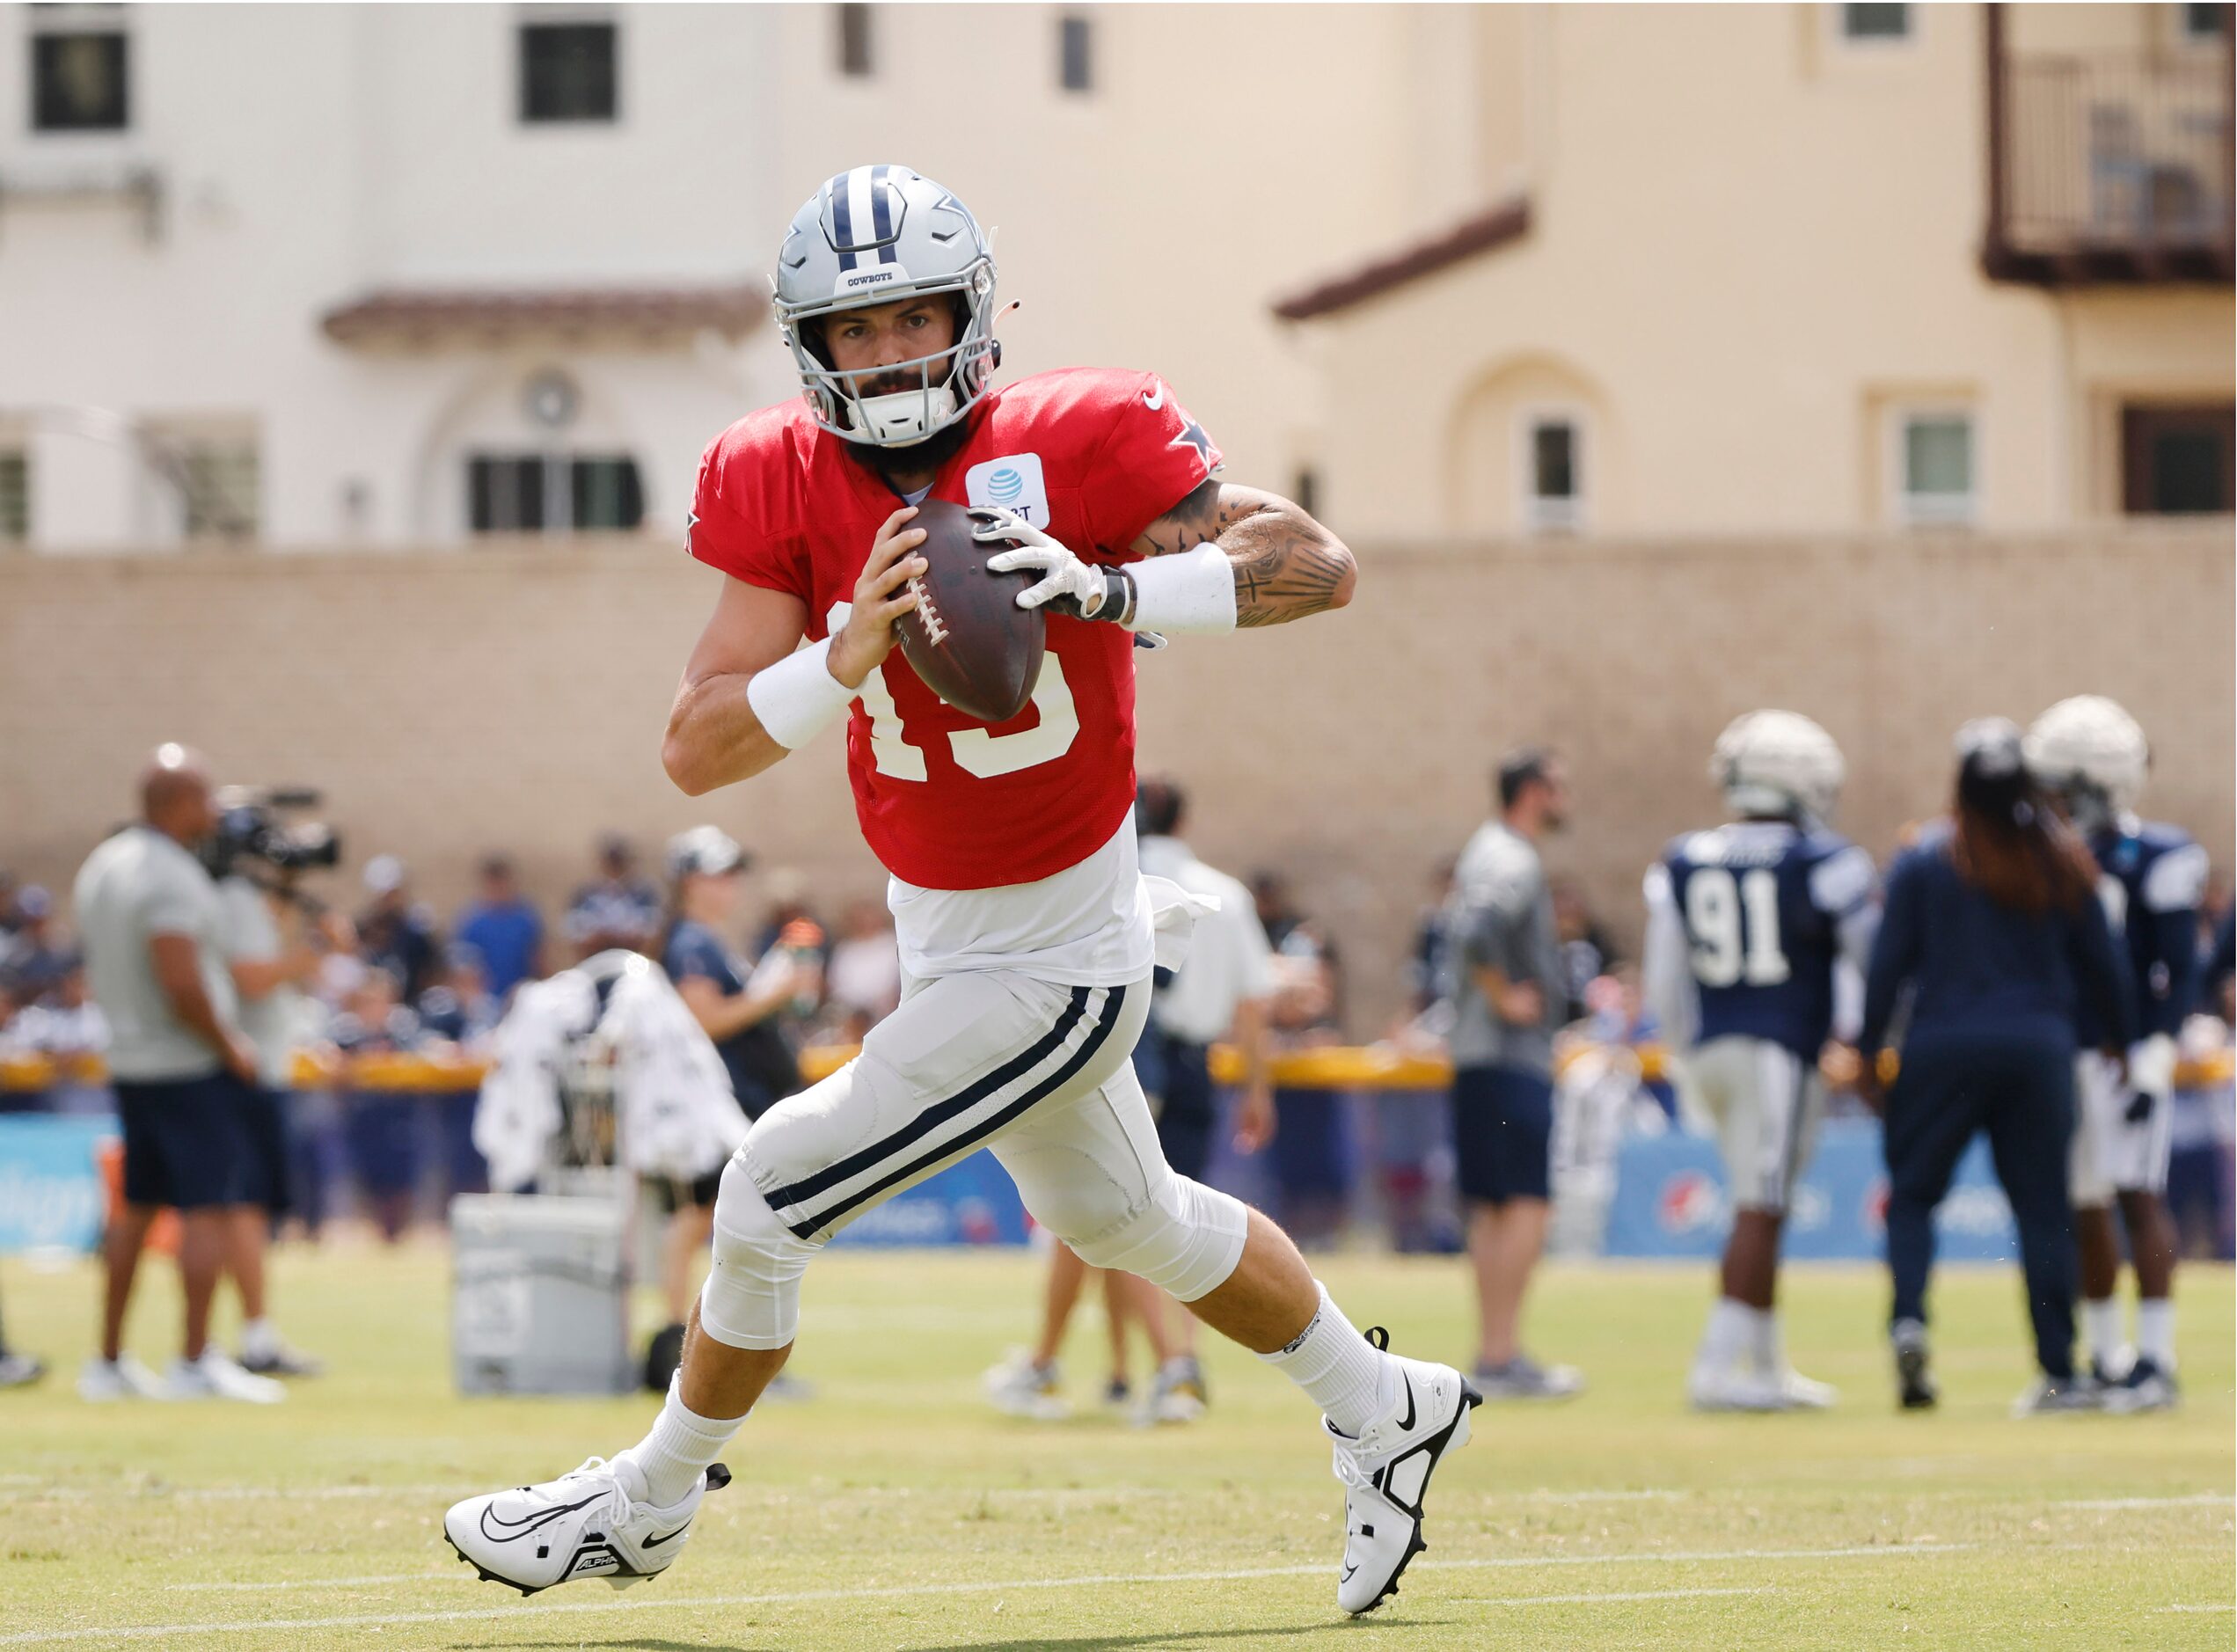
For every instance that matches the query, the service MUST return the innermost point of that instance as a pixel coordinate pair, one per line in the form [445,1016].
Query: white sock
[1346,1375]
[666,1462]
[258,1340]
[1726,1333]
[1763,1340]
[2155,1331]
[2100,1328]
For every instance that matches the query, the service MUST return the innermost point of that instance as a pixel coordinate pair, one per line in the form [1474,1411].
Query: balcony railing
[2108,167]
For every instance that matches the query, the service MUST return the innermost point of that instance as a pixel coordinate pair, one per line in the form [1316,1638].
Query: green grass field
[893,1511]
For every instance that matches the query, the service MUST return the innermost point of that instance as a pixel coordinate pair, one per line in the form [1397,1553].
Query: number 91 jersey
[1762,903]
[946,801]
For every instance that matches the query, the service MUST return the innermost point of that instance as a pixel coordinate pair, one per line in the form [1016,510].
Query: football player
[1026,930]
[1755,931]
[2091,754]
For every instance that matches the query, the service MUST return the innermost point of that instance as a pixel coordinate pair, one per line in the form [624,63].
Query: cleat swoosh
[1407,1421]
[654,1543]
[508,1531]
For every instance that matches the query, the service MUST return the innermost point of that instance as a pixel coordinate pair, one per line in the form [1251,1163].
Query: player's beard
[917,457]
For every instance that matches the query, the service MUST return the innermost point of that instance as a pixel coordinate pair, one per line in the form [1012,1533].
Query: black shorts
[1185,1112]
[672,1194]
[185,1142]
[1503,1133]
[264,1123]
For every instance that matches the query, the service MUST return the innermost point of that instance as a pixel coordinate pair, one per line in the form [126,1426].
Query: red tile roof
[420,316]
[1479,232]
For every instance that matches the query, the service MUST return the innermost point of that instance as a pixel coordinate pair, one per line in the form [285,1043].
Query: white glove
[2151,1066]
[1089,593]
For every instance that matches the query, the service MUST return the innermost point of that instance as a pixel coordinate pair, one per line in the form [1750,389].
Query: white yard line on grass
[2199,1499]
[2226,1606]
[1620,1595]
[362,1620]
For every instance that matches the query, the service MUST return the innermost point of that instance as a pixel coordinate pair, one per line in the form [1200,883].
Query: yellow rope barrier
[1334,1067]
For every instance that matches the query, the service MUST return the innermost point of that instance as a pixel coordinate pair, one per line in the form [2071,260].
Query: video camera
[251,827]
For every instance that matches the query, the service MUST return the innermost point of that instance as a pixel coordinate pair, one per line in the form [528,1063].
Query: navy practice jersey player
[2093,755]
[1749,928]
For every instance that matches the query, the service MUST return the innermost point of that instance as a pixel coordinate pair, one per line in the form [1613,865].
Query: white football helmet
[2091,752]
[869,236]
[1778,763]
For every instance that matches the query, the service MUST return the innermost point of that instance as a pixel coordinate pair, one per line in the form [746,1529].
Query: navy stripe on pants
[2022,1092]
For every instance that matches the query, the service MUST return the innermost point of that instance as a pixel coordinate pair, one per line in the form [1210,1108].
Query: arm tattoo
[1286,564]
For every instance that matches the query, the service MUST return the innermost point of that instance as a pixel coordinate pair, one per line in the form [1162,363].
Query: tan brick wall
[449,702]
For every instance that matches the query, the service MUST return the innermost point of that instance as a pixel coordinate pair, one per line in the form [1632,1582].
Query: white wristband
[1192,591]
[797,696]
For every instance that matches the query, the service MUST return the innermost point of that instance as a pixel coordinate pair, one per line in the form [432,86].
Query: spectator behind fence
[382,1127]
[395,933]
[35,957]
[1993,927]
[1508,986]
[618,909]
[1587,953]
[461,1010]
[155,944]
[1313,1153]
[274,950]
[503,926]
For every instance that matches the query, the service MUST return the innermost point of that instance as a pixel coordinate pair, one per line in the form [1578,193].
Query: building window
[1075,53]
[1552,473]
[1936,474]
[2202,23]
[855,23]
[78,80]
[553,493]
[2178,461]
[567,72]
[219,486]
[15,498]
[1875,22]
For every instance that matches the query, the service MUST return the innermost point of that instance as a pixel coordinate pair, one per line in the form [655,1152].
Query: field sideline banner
[1670,1201]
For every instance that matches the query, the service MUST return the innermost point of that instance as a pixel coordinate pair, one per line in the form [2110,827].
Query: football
[967,637]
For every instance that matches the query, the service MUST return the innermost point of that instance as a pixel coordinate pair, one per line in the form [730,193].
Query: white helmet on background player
[1770,764]
[869,236]
[2091,752]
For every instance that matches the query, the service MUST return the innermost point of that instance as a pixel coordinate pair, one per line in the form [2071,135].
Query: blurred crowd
[398,977]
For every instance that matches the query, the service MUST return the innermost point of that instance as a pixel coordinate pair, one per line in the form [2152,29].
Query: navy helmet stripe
[842,220]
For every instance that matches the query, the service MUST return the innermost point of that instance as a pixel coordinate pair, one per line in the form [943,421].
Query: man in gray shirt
[1506,985]
[155,957]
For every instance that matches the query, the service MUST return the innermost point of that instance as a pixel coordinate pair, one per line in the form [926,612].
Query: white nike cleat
[1019,1387]
[582,1524]
[1803,1393]
[124,1378]
[1385,1473]
[214,1375]
[1736,1388]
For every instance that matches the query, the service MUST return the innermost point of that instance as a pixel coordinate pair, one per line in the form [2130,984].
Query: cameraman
[153,931]
[274,946]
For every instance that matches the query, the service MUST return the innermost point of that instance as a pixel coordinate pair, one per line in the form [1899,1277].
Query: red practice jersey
[1089,456]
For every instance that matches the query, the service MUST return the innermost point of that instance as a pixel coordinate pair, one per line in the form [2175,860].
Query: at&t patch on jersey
[1014,483]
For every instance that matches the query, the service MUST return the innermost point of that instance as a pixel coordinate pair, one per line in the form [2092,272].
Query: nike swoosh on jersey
[1153,402]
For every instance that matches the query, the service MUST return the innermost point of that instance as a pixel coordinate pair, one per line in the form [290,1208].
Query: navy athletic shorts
[1187,1113]
[264,1125]
[185,1144]
[1503,1133]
